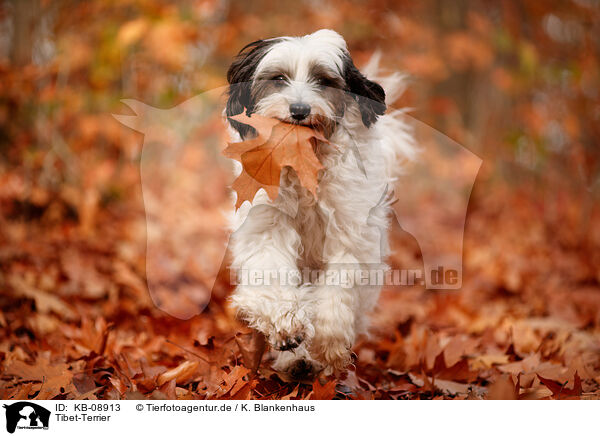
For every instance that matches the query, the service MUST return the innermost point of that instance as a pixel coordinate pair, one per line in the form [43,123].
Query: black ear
[369,95]
[239,76]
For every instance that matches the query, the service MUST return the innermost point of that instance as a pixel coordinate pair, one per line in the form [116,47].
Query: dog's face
[309,80]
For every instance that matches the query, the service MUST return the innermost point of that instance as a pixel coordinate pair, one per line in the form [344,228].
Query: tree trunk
[25,15]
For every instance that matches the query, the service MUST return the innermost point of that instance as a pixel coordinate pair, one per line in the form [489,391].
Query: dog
[312,322]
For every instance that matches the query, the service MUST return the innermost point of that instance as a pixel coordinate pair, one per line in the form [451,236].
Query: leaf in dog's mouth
[278,144]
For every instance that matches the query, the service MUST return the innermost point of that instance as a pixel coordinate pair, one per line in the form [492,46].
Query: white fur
[345,227]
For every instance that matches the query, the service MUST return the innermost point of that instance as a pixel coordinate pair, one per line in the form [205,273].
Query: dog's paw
[284,341]
[285,326]
[335,353]
[289,329]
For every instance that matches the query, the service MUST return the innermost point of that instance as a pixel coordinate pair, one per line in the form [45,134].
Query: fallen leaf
[56,379]
[183,372]
[323,392]
[252,347]
[560,391]
[503,389]
[44,301]
[234,380]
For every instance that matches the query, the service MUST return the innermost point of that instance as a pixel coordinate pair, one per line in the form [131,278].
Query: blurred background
[516,82]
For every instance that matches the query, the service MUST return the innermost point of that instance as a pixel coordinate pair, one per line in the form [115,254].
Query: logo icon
[26,415]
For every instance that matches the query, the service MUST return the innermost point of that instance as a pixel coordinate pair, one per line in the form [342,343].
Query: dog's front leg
[343,299]
[268,296]
[335,302]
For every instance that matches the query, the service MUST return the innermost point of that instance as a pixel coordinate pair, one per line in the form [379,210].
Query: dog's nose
[299,111]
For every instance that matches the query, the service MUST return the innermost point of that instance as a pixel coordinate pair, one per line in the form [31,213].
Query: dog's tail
[395,133]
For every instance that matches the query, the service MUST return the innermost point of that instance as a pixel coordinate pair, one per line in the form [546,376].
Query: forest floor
[77,321]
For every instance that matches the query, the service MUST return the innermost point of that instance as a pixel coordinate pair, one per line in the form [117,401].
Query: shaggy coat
[315,251]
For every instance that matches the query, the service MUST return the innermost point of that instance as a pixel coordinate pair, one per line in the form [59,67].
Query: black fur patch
[369,95]
[239,77]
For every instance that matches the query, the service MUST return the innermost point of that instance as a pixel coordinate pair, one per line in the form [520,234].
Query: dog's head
[309,80]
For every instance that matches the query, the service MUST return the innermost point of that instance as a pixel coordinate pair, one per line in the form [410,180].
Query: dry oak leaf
[278,144]
[55,378]
[560,391]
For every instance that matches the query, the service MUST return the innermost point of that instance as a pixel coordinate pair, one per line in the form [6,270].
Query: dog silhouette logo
[26,415]
[181,155]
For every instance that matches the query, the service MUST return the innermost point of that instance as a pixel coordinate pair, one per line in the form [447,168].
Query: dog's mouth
[319,123]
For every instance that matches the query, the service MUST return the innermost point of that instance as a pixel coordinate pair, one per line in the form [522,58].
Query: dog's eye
[325,81]
[279,77]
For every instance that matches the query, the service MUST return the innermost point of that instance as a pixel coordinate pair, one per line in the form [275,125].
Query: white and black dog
[312,323]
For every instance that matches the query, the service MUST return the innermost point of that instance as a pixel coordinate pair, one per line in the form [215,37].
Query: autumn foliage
[515,82]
